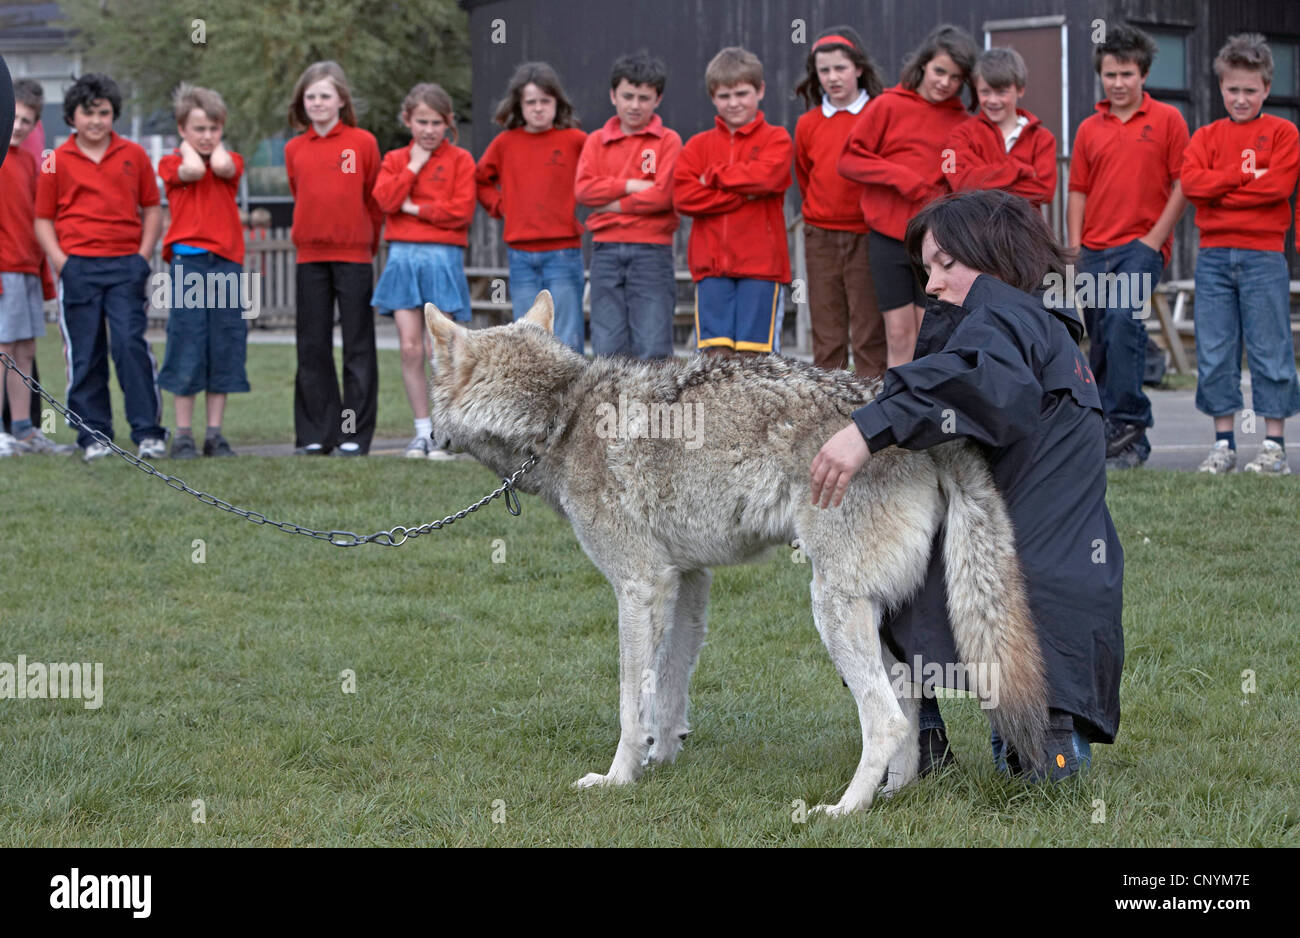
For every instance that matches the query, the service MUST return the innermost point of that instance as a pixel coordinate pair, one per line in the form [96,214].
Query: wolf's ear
[543,311]
[440,326]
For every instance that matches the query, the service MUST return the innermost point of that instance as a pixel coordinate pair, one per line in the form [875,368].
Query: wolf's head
[495,391]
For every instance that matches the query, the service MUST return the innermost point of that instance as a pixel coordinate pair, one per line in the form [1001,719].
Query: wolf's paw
[596,780]
[835,810]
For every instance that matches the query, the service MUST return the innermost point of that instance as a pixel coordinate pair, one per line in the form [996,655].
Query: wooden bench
[1175,323]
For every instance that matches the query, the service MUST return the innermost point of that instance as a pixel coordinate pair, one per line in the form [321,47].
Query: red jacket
[981,159]
[1234,209]
[20,253]
[829,200]
[204,212]
[739,226]
[443,190]
[527,179]
[335,218]
[895,151]
[609,159]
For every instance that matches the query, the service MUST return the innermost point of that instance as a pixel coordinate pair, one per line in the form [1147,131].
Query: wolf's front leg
[645,609]
[674,663]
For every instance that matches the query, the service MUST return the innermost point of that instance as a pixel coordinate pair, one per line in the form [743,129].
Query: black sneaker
[311,449]
[183,448]
[936,755]
[1120,436]
[217,446]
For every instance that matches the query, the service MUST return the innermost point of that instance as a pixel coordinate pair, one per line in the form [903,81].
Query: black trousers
[320,415]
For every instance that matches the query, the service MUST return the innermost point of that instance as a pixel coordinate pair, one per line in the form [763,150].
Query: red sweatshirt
[829,200]
[96,206]
[1233,208]
[19,251]
[609,159]
[527,179]
[331,177]
[895,150]
[982,161]
[204,212]
[443,191]
[739,227]
[1127,170]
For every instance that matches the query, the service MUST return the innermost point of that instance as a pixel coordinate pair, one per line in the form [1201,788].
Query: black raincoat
[1007,374]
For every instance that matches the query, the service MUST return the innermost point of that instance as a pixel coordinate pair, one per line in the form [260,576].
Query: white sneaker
[153,448]
[418,448]
[8,445]
[441,455]
[1221,460]
[95,451]
[1271,461]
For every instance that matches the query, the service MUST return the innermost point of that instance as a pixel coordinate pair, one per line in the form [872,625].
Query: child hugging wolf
[654,514]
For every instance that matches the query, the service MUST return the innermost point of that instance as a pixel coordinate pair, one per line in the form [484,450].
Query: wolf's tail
[991,622]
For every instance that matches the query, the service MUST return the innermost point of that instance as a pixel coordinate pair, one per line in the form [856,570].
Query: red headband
[834,39]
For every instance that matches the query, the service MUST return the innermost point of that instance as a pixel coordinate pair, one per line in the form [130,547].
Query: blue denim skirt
[417,273]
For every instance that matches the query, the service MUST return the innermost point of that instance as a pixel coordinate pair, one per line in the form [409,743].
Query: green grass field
[483,689]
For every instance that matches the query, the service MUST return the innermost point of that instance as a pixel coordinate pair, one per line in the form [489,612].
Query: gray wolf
[655,513]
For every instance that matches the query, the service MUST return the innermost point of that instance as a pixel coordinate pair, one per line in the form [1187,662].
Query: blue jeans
[1117,330]
[633,296]
[1242,293]
[560,271]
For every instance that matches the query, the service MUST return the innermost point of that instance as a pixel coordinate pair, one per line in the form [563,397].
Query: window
[1284,96]
[1167,80]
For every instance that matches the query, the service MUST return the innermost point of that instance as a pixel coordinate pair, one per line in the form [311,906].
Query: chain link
[393,537]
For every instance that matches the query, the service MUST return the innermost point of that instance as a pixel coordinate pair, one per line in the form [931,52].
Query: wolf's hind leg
[645,611]
[675,662]
[903,766]
[849,626]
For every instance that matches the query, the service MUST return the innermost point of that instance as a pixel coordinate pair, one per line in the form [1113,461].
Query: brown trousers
[842,302]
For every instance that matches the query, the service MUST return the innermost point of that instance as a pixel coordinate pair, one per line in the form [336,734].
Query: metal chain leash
[393,537]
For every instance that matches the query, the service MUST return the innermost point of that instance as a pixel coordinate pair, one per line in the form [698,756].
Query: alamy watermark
[632,420]
[211,290]
[77,680]
[1131,290]
[982,679]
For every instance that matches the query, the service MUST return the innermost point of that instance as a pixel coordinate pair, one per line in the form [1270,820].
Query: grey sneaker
[153,448]
[419,447]
[183,447]
[95,451]
[37,442]
[1271,461]
[1222,459]
[1128,458]
[217,446]
[8,445]
[441,455]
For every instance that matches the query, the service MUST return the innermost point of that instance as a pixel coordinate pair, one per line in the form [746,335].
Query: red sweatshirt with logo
[829,200]
[335,218]
[896,152]
[981,159]
[443,190]
[527,179]
[1234,208]
[733,186]
[204,212]
[609,159]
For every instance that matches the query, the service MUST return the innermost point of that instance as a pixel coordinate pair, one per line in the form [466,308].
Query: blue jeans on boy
[1244,294]
[1117,329]
[633,297]
[95,292]
[561,273]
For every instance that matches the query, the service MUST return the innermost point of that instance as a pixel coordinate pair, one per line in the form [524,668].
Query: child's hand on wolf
[835,465]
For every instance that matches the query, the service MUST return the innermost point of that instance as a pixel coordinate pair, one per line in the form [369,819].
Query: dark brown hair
[991,231]
[1001,68]
[433,97]
[1126,44]
[298,118]
[945,39]
[509,113]
[810,89]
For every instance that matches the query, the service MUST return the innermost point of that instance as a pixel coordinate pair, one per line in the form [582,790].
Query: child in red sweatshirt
[838,83]
[526,177]
[626,172]
[426,190]
[1003,147]
[332,170]
[895,151]
[732,181]
[1239,172]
